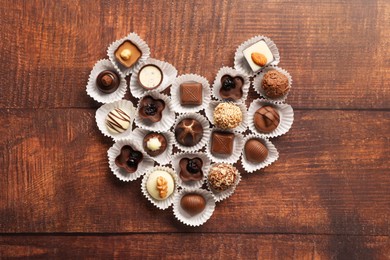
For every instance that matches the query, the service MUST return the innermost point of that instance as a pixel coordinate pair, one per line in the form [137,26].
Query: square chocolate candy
[191,93]
[222,143]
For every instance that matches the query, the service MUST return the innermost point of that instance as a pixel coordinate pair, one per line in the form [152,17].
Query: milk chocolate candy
[127,54]
[255,151]
[266,119]
[222,143]
[231,87]
[191,93]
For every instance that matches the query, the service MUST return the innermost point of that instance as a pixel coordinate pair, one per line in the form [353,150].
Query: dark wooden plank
[196,246]
[332,178]
[336,51]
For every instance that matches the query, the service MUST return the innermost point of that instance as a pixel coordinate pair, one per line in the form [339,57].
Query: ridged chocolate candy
[255,151]
[193,203]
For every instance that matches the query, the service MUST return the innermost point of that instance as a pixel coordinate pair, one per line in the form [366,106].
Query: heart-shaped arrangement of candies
[186,144]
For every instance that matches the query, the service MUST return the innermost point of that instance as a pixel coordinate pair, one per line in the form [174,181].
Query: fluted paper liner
[141,44]
[242,65]
[93,90]
[138,136]
[273,154]
[198,219]
[285,112]
[259,78]
[243,125]
[175,93]
[169,75]
[120,173]
[221,195]
[206,132]
[233,73]
[168,115]
[102,112]
[161,204]
[190,184]
[238,145]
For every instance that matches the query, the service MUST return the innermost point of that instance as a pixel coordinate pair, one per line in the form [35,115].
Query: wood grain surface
[327,197]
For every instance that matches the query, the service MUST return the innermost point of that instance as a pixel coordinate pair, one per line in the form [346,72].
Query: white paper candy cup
[273,154]
[285,112]
[168,115]
[259,78]
[206,132]
[198,219]
[221,195]
[120,173]
[175,93]
[138,136]
[93,90]
[242,65]
[169,75]
[135,39]
[234,73]
[205,168]
[243,125]
[102,112]
[238,145]
[161,204]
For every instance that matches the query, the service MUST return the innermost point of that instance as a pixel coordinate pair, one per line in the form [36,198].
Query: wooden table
[327,197]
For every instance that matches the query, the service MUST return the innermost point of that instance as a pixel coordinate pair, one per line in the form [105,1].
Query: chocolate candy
[193,203]
[266,119]
[127,54]
[154,144]
[258,55]
[275,84]
[231,88]
[191,169]
[227,115]
[222,176]
[160,185]
[222,143]
[117,121]
[128,159]
[191,93]
[188,132]
[150,76]
[255,151]
[107,81]
[151,109]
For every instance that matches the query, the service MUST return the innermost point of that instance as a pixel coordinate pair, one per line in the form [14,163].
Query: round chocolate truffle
[275,84]
[154,144]
[222,176]
[107,81]
[227,115]
[255,151]
[150,76]
[189,132]
[266,119]
[193,203]
[117,121]
[160,185]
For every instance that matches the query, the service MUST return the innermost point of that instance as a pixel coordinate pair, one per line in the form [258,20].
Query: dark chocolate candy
[191,93]
[266,119]
[255,151]
[188,132]
[191,169]
[151,109]
[128,159]
[231,87]
[154,144]
[107,81]
[222,143]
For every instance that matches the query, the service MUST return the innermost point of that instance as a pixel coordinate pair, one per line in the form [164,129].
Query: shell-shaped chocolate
[193,203]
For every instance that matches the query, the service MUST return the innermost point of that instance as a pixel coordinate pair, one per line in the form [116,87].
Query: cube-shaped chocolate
[191,93]
[222,143]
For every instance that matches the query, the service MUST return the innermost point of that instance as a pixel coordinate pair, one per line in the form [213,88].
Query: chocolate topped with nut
[128,159]
[127,54]
[191,169]
[151,109]
[231,87]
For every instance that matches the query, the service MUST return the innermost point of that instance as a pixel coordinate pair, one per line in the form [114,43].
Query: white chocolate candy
[150,76]
[117,121]
[160,193]
[259,47]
